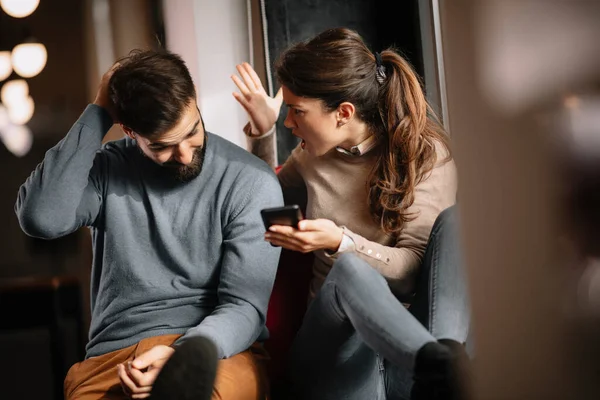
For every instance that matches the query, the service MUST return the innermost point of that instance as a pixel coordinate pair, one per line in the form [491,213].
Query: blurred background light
[17,139]
[5,65]
[19,8]
[13,91]
[29,59]
[20,112]
[4,120]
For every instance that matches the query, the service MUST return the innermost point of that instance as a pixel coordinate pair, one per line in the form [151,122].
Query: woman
[373,171]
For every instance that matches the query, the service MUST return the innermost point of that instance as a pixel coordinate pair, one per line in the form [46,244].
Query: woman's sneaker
[438,371]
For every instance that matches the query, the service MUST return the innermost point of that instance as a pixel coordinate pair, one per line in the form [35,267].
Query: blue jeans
[357,341]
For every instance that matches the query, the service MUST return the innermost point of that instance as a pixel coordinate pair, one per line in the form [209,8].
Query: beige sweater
[336,189]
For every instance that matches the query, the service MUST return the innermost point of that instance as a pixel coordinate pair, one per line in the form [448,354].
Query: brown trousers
[241,377]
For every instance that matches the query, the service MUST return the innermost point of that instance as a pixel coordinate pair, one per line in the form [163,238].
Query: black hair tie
[378,60]
[380,69]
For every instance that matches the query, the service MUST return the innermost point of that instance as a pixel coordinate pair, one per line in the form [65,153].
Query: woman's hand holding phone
[310,235]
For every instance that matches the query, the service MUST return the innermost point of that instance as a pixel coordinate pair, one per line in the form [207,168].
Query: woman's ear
[345,113]
[127,131]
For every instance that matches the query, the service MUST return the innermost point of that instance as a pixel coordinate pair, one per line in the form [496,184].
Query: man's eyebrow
[191,133]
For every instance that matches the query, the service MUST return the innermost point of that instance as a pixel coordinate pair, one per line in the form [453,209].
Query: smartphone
[287,215]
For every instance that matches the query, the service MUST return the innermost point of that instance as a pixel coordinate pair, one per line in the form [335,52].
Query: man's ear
[127,131]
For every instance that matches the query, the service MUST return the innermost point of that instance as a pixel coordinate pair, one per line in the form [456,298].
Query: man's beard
[180,172]
[185,173]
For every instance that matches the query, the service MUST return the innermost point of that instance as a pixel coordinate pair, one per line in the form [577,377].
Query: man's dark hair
[150,91]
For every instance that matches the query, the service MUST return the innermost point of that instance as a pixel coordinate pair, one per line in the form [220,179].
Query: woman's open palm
[262,109]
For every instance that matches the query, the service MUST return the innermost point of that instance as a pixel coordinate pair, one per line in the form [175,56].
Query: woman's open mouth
[302,143]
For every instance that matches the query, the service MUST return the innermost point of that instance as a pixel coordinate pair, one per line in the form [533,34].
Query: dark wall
[381,23]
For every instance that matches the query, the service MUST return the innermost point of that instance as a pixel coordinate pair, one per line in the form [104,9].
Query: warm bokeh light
[20,112]
[4,121]
[14,91]
[5,65]
[29,59]
[19,8]
[17,139]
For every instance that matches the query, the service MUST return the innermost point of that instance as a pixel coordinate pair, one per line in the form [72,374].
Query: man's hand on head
[102,97]
[138,376]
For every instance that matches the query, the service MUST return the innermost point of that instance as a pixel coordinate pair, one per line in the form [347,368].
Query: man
[178,242]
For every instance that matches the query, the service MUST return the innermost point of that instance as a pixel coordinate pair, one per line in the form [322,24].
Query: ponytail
[411,134]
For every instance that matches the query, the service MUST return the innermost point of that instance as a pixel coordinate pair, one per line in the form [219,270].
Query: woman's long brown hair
[336,66]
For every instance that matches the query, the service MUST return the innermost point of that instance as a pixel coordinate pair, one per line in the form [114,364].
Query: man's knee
[241,377]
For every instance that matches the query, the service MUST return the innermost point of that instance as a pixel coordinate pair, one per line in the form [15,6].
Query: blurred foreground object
[512,67]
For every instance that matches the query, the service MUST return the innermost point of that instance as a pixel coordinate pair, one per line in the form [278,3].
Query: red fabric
[286,309]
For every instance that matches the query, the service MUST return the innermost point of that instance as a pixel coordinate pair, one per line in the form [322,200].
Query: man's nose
[184,154]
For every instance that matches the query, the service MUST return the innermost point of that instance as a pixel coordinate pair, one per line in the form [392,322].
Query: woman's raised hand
[262,109]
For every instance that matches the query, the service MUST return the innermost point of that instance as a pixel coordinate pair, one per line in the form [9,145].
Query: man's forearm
[232,327]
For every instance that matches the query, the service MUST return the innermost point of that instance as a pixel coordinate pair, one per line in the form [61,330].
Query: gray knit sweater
[169,257]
